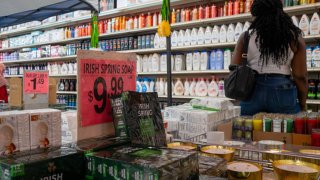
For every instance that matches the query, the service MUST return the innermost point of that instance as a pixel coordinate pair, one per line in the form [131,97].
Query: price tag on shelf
[36,82]
[102,77]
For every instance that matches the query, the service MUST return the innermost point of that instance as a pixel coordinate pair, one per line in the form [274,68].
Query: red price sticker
[36,82]
[101,80]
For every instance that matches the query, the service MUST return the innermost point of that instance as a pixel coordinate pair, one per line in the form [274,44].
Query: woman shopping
[3,85]
[276,50]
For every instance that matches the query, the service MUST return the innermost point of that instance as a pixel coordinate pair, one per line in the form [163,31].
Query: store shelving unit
[67,92]
[151,6]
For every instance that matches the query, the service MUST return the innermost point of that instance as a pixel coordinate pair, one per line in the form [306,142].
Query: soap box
[45,128]
[63,163]
[14,132]
[128,162]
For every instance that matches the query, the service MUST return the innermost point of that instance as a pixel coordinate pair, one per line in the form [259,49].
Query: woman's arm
[300,74]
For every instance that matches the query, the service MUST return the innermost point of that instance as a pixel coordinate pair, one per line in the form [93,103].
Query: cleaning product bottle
[221,88]
[157,86]
[189,59]
[231,33]
[202,88]
[138,86]
[215,34]
[227,58]
[145,85]
[186,87]
[212,60]
[219,59]
[178,88]
[161,87]
[213,88]
[151,85]
[315,24]
[193,87]
[204,60]
[197,87]
[304,24]
[196,61]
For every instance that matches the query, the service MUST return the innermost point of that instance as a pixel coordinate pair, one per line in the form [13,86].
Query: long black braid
[275,31]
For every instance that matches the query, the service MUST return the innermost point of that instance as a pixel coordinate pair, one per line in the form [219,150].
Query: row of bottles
[192,61]
[56,68]
[68,100]
[313,89]
[200,87]
[313,56]
[67,85]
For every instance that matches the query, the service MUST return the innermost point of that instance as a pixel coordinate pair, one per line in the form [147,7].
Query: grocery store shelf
[184,72]
[311,101]
[143,51]
[67,92]
[62,58]
[313,69]
[145,7]
[193,97]
[12,76]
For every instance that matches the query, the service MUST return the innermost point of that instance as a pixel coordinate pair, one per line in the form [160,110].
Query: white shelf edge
[57,75]
[193,97]
[311,101]
[185,72]
[40,60]
[313,69]
[67,92]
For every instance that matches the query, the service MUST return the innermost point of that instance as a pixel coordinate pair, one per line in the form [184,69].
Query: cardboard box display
[128,162]
[14,132]
[64,163]
[227,129]
[45,128]
[301,139]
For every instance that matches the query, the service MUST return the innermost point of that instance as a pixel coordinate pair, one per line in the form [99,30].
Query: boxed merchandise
[211,167]
[118,118]
[143,119]
[45,128]
[64,163]
[69,127]
[97,144]
[128,162]
[14,132]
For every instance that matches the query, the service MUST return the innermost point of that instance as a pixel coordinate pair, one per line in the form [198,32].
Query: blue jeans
[272,95]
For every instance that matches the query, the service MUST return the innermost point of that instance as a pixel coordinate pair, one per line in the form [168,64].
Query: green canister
[267,124]
[288,125]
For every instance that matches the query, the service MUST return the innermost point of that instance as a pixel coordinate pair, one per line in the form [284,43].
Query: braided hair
[275,31]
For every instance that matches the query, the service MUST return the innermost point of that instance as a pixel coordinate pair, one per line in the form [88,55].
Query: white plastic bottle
[145,64]
[181,37]
[178,88]
[189,58]
[208,35]
[161,87]
[157,86]
[196,61]
[163,62]
[202,88]
[221,88]
[295,21]
[304,24]
[150,63]
[246,26]
[213,88]
[315,24]
[155,62]
[193,87]
[186,88]
[201,36]
[174,39]
[231,33]
[223,34]
[156,41]
[145,85]
[151,86]
[139,67]
[215,34]
[197,87]
[187,38]
[204,58]
[194,36]
[238,31]
[212,60]
[227,58]
[179,62]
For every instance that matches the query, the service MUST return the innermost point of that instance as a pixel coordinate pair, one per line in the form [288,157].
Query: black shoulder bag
[241,80]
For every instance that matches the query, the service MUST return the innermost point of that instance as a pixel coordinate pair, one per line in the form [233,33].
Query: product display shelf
[193,97]
[313,69]
[313,101]
[184,72]
[149,6]
[67,92]
[48,59]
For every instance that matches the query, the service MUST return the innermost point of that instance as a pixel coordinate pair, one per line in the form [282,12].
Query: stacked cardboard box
[128,162]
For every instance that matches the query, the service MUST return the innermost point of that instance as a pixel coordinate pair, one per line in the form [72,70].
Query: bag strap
[245,48]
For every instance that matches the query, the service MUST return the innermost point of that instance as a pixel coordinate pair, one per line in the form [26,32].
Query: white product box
[14,132]
[45,128]
[69,126]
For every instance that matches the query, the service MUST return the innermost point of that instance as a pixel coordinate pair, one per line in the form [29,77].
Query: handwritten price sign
[101,80]
[36,82]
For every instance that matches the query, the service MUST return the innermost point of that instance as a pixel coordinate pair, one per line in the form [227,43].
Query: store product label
[101,79]
[36,82]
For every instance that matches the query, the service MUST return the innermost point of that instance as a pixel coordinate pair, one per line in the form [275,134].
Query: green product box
[136,163]
[64,163]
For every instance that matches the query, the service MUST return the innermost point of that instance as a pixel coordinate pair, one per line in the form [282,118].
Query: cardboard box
[63,163]
[128,162]
[283,137]
[14,132]
[301,139]
[227,129]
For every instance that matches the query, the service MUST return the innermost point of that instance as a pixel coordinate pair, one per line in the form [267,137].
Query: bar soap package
[143,119]
[118,118]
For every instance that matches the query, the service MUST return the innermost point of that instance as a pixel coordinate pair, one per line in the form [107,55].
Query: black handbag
[241,80]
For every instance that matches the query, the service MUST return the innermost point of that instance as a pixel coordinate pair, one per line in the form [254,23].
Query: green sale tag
[17,170]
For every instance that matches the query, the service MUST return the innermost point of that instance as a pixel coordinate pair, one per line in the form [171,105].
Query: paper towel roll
[215,137]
